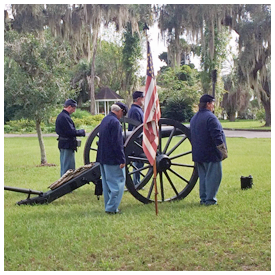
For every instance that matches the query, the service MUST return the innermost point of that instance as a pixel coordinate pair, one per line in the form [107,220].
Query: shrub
[80,114]
[88,120]
[49,129]
[260,115]
[83,118]
[7,129]
[98,118]
[178,108]
[21,126]
[78,122]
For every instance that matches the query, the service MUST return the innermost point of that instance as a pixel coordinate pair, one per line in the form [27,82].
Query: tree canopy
[36,76]
[204,24]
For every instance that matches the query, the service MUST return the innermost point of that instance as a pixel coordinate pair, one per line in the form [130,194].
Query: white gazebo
[104,99]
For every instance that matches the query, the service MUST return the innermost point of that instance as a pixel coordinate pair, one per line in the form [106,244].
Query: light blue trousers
[136,176]
[210,174]
[113,181]
[67,160]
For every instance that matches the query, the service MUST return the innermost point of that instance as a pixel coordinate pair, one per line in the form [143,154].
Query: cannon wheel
[90,148]
[176,172]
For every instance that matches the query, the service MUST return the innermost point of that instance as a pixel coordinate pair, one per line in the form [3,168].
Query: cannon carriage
[176,173]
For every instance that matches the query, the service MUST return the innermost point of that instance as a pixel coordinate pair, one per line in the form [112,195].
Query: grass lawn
[248,124]
[74,233]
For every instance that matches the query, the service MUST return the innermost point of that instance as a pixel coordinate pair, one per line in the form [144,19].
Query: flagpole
[155,183]
[155,165]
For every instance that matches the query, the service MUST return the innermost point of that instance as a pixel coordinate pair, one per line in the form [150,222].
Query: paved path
[30,135]
[247,134]
[228,133]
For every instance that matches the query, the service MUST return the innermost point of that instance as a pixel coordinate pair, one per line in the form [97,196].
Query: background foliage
[36,74]
[81,119]
[179,93]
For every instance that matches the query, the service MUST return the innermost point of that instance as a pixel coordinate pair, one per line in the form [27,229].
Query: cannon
[176,172]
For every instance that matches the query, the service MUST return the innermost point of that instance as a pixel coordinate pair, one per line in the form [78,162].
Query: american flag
[151,112]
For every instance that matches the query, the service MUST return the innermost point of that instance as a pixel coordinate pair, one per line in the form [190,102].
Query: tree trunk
[178,48]
[266,104]
[265,93]
[266,101]
[92,88]
[41,143]
[91,80]
[231,116]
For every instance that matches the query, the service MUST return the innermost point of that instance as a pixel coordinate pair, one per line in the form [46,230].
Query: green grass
[244,124]
[74,233]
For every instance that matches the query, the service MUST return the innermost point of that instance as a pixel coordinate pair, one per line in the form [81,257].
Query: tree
[108,70]
[131,54]
[235,99]
[203,24]
[80,25]
[91,17]
[108,65]
[180,91]
[170,21]
[36,76]
[120,15]
[164,57]
[178,52]
[253,24]
[79,80]
[115,66]
[210,63]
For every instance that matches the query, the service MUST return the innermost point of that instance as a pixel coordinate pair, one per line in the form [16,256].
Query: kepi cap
[137,94]
[207,98]
[123,107]
[70,102]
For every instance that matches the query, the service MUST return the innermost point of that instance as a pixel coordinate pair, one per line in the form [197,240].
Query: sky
[157,47]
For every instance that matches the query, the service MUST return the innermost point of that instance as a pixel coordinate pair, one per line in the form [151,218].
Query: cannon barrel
[23,190]
[165,132]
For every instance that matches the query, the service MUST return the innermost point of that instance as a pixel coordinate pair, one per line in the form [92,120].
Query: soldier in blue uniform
[208,149]
[137,114]
[110,155]
[67,143]
[136,111]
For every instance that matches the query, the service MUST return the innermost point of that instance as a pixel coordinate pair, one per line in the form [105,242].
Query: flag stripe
[152,104]
[151,112]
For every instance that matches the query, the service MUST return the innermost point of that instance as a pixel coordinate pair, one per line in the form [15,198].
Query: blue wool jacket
[65,128]
[206,134]
[110,145]
[136,113]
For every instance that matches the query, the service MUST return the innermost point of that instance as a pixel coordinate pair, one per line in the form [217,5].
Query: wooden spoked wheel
[176,172]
